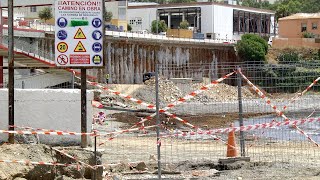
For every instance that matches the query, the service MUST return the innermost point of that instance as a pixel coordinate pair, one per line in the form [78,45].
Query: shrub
[288,57]
[252,49]
[162,26]
[257,38]
[308,35]
[129,28]
[184,24]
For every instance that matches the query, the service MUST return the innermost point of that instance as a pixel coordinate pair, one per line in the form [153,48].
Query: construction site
[151,109]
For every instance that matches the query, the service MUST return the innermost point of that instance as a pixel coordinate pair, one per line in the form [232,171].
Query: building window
[303,27]
[33,9]
[139,22]
[132,21]
[314,26]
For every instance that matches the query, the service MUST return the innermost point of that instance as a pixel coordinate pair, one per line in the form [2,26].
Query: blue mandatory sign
[97,47]
[62,34]
[62,22]
[97,35]
[96,22]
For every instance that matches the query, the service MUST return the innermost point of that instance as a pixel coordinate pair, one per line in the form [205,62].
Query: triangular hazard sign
[80,47]
[79,34]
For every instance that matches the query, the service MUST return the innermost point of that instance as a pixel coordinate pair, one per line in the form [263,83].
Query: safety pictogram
[62,35]
[62,59]
[79,34]
[80,47]
[62,47]
[96,59]
[62,22]
[97,47]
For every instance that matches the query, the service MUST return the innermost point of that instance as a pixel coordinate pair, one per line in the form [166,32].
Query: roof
[176,5]
[302,16]
[141,3]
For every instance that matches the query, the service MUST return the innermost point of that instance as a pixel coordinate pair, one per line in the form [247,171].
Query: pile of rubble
[170,92]
[221,92]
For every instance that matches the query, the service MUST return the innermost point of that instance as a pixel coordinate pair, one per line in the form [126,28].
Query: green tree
[107,16]
[287,8]
[45,14]
[251,48]
[256,38]
[158,26]
[184,24]
[251,3]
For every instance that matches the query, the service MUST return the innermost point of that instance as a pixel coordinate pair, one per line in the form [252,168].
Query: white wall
[112,6]
[26,2]
[49,109]
[147,15]
[206,19]
[223,22]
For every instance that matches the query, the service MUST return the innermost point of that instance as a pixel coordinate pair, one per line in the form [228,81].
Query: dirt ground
[198,159]
[203,121]
[43,153]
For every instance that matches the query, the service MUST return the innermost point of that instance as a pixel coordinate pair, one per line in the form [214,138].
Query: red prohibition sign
[62,59]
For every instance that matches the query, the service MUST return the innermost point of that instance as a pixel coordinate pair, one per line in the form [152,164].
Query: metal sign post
[11,70]
[79,42]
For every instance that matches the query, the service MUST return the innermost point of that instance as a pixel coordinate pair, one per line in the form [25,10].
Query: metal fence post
[84,142]
[158,121]
[242,143]
[72,80]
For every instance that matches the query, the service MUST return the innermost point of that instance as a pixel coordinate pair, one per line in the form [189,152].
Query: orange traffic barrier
[231,146]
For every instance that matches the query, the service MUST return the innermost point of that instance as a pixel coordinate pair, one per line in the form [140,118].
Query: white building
[214,20]
[28,9]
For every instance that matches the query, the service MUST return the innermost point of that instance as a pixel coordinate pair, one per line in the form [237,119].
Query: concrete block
[56,109]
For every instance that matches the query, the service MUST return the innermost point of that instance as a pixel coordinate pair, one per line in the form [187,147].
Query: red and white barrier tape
[184,99]
[97,104]
[126,130]
[27,162]
[303,92]
[246,128]
[268,101]
[37,129]
[61,133]
[74,158]
[169,106]
[58,133]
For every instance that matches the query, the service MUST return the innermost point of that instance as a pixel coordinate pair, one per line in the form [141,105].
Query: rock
[152,157]
[141,166]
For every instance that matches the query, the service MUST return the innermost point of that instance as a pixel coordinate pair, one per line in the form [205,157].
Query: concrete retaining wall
[47,108]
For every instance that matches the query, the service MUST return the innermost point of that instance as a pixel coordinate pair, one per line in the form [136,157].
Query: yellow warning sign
[79,34]
[80,47]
